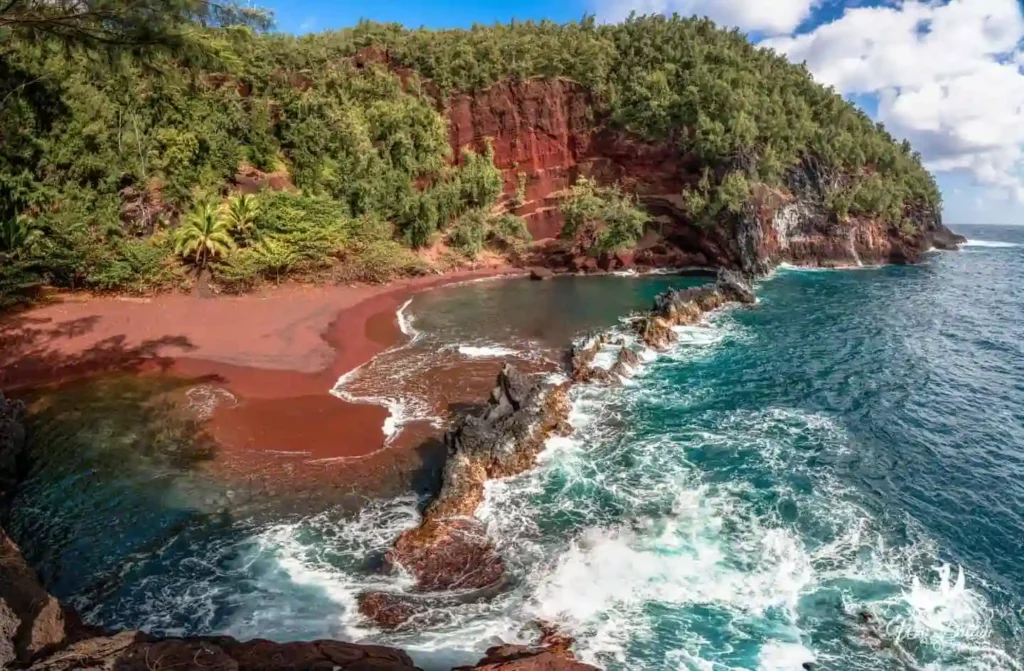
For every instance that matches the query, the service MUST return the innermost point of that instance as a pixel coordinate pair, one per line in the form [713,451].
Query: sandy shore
[278,352]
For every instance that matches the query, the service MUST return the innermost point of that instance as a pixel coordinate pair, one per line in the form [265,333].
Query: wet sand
[278,352]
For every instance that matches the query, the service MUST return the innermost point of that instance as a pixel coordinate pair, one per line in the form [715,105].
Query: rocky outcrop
[136,651]
[527,658]
[547,132]
[32,623]
[688,306]
[450,555]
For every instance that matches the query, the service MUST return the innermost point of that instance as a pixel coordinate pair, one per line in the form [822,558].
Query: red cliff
[546,132]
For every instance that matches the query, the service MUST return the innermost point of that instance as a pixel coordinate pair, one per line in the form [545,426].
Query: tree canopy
[118,117]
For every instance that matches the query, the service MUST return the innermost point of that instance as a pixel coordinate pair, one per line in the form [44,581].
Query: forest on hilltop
[122,129]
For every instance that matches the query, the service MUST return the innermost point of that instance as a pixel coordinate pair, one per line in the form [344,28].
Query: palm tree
[204,235]
[241,212]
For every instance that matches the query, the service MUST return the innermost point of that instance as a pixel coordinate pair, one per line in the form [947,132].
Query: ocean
[850,446]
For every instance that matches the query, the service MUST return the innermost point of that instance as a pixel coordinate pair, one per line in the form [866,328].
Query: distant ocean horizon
[852,444]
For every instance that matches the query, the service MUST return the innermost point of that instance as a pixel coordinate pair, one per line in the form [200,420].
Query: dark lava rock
[735,287]
[135,651]
[450,554]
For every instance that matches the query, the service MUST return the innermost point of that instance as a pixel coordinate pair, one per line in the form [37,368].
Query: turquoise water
[854,442]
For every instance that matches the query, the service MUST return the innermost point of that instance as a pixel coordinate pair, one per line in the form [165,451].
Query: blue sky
[956,89]
[299,16]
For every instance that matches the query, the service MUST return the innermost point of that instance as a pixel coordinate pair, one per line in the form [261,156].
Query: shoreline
[277,352]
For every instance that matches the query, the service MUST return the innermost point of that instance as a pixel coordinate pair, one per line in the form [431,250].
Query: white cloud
[772,17]
[947,75]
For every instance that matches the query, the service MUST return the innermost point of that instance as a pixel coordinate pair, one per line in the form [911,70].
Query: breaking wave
[989,243]
[487,351]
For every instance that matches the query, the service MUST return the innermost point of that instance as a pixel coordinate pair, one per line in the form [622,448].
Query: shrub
[601,219]
[469,233]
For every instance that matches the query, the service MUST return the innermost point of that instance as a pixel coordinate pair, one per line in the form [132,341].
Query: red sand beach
[279,352]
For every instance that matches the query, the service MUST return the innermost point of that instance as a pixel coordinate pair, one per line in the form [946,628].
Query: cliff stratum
[242,157]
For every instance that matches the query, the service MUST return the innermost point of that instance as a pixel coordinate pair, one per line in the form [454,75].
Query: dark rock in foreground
[450,554]
[527,658]
[135,651]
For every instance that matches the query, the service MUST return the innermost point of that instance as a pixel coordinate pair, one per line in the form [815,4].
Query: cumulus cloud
[948,76]
[771,17]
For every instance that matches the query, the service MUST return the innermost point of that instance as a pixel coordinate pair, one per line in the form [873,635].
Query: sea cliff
[548,132]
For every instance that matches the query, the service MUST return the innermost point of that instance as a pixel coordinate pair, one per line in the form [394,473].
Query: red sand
[279,352]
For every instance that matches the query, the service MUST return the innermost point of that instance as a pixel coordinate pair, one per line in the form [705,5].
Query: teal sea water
[852,444]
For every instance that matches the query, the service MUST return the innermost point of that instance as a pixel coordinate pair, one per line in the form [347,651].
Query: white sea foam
[401,410]
[644,533]
[989,243]
[777,656]
[405,321]
[691,545]
[486,351]
[316,558]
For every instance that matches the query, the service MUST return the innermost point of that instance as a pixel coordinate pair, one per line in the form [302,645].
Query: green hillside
[119,139]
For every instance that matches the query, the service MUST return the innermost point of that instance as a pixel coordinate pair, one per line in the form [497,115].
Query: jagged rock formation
[528,658]
[451,551]
[546,132]
[688,306]
[450,555]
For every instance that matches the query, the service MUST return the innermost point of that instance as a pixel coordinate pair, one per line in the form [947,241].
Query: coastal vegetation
[120,124]
[601,220]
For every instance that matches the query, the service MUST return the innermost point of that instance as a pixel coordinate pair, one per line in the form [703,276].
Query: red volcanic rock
[553,653]
[389,610]
[31,621]
[526,658]
[547,132]
[135,651]
[448,554]
[251,180]
[538,128]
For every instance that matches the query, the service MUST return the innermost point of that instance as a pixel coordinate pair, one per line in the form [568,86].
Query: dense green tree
[16,235]
[600,220]
[109,24]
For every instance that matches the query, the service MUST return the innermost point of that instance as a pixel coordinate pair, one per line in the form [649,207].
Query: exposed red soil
[279,352]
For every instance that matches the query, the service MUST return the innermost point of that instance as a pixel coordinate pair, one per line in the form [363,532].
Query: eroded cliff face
[546,133]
